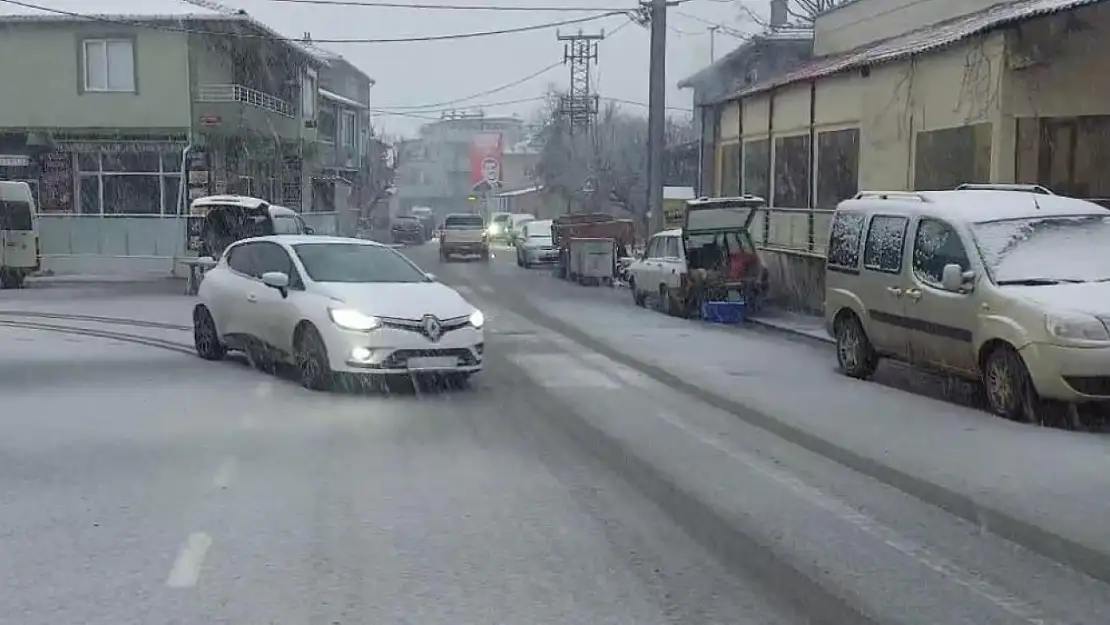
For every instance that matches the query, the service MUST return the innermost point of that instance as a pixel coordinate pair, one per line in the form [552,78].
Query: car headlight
[477,319]
[351,319]
[1076,327]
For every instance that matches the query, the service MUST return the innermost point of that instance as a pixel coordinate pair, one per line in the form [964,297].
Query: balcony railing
[245,95]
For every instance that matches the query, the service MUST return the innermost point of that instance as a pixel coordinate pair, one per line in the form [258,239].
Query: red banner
[485,159]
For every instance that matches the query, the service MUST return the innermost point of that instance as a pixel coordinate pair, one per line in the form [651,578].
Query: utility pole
[657,111]
[713,43]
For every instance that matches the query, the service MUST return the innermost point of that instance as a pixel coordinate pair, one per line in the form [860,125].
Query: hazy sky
[414,74]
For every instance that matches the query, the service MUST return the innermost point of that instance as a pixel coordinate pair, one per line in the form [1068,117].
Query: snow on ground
[1053,479]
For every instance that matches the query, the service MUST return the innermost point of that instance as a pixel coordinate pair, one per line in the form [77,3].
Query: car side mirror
[309,230]
[954,278]
[277,280]
[431,277]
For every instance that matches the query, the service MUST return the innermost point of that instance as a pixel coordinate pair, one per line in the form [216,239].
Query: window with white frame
[308,96]
[109,65]
[350,129]
[129,183]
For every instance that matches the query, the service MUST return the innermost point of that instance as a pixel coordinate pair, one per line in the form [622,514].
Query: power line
[450,37]
[475,96]
[455,7]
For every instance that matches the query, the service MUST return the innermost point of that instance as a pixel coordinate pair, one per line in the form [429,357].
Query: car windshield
[1045,250]
[354,262]
[465,222]
[286,224]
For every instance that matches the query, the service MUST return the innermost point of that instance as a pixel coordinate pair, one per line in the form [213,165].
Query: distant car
[463,233]
[535,245]
[405,229]
[333,304]
[499,227]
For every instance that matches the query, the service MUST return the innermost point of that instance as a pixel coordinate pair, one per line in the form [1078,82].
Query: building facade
[435,169]
[143,112]
[983,92]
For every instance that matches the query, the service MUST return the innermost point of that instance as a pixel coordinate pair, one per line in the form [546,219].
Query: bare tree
[613,158]
[800,13]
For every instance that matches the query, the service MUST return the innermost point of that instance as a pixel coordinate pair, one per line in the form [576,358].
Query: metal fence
[127,244]
[802,231]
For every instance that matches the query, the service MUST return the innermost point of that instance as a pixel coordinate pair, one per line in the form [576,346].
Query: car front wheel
[854,353]
[206,339]
[312,360]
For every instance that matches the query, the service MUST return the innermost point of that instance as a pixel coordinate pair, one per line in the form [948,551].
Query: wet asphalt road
[140,485]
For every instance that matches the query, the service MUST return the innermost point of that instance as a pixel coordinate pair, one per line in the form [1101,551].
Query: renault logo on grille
[432,327]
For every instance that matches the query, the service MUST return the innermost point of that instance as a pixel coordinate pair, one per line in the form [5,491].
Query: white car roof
[299,239]
[973,205]
[245,201]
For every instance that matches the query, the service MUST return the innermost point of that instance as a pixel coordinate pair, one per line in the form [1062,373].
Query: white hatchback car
[331,304]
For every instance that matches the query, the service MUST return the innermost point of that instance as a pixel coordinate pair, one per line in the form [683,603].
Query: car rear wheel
[206,339]
[312,361]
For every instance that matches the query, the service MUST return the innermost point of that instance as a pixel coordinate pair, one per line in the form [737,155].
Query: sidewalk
[1043,488]
[800,324]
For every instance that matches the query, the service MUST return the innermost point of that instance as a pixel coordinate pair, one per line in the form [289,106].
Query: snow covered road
[144,485]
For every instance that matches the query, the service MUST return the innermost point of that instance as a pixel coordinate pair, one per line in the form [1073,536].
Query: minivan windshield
[1045,250]
[15,215]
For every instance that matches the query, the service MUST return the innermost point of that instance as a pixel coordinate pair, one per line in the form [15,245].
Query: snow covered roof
[980,205]
[920,41]
[335,97]
[128,12]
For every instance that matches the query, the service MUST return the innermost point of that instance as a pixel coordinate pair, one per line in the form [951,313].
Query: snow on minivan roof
[981,205]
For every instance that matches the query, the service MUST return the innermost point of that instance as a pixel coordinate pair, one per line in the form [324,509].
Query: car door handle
[251,297]
[914,293]
[895,291]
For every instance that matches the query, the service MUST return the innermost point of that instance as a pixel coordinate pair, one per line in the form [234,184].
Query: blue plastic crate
[724,312]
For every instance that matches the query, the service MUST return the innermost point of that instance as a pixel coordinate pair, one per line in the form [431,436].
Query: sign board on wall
[485,159]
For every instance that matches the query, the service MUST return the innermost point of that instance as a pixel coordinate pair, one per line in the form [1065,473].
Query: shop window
[730,170]
[945,159]
[792,172]
[757,177]
[837,166]
[129,182]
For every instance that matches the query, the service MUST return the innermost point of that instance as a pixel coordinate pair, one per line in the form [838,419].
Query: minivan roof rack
[892,195]
[741,201]
[999,186]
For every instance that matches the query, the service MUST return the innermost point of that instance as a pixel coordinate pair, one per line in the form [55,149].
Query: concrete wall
[861,22]
[46,61]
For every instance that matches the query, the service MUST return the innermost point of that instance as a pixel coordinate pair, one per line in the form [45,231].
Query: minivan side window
[935,245]
[844,242]
[886,241]
[655,248]
[672,248]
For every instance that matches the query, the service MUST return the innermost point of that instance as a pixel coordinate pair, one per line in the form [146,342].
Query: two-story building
[130,115]
[342,164]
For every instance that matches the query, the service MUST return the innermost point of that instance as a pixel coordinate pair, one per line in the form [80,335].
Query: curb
[783,329]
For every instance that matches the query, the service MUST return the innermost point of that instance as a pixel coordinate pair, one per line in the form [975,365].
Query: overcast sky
[413,74]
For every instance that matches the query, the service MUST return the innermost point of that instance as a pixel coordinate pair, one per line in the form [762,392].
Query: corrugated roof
[923,40]
[790,34]
[125,11]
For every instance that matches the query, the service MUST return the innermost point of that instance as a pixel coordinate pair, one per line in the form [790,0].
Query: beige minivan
[1005,286]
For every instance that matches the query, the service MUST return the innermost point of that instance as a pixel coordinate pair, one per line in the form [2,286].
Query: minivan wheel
[637,297]
[854,353]
[1009,389]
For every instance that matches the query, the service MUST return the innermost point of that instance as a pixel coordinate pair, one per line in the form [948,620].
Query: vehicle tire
[485,255]
[260,357]
[637,297]
[444,257]
[1010,392]
[312,361]
[664,300]
[854,353]
[206,339]
[457,380]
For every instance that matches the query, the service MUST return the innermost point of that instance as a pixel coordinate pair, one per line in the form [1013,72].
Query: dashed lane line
[186,569]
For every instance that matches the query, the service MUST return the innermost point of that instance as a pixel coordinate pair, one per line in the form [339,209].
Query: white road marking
[485,288]
[464,290]
[614,369]
[844,511]
[561,371]
[186,569]
[225,473]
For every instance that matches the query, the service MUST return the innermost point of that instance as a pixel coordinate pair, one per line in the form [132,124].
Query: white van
[19,239]
[1004,286]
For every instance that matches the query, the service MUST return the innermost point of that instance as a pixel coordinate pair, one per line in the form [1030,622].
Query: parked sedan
[535,245]
[332,304]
